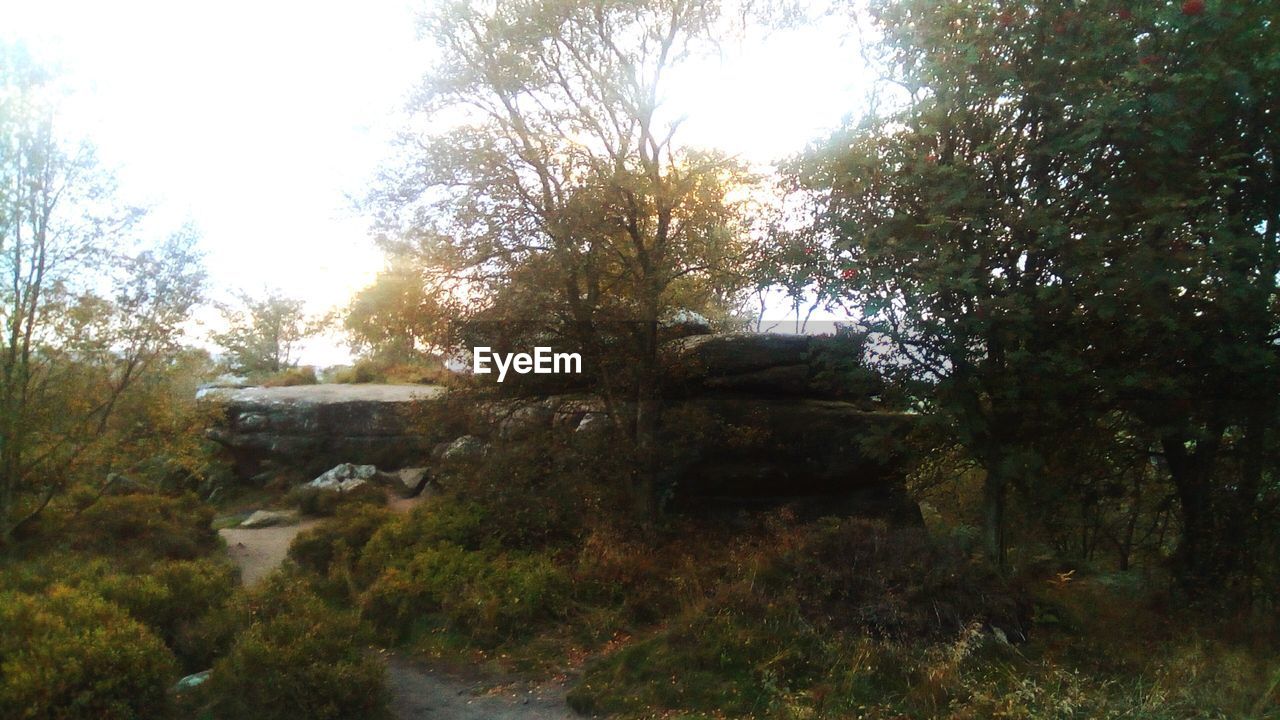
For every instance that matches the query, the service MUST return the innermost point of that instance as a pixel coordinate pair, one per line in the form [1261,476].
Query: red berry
[1005,18]
[849,273]
[1193,7]
[1125,14]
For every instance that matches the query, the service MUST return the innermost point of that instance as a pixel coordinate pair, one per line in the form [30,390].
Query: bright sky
[257,120]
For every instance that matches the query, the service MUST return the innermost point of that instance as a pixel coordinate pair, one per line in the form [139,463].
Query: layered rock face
[750,420]
[311,428]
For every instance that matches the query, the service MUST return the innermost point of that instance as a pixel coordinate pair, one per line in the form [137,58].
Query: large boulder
[311,428]
[749,419]
[346,477]
[771,364]
[741,450]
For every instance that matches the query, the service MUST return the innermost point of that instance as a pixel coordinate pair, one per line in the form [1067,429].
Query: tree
[560,198]
[83,319]
[1071,213]
[264,333]
[395,318]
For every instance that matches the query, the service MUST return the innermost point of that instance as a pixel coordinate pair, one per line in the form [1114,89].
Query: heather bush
[487,598]
[735,654]
[295,657]
[894,582]
[289,377]
[141,527]
[344,535]
[70,655]
[320,502]
[172,598]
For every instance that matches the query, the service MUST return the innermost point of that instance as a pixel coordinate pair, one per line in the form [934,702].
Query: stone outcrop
[752,420]
[770,364]
[311,428]
[751,451]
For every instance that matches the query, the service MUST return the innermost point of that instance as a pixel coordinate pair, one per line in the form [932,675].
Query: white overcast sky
[256,121]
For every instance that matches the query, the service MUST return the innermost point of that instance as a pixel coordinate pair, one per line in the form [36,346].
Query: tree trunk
[1199,562]
[995,491]
[648,409]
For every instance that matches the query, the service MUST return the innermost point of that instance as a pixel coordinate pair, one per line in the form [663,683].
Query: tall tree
[1058,219]
[83,319]
[263,333]
[560,195]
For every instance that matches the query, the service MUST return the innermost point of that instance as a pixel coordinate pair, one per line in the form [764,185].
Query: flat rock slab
[335,393]
[312,428]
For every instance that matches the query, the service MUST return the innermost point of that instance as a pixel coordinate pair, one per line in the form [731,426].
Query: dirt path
[420,693]
[258,551]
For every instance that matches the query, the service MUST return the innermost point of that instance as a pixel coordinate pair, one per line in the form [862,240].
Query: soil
[419,692]
[258,551]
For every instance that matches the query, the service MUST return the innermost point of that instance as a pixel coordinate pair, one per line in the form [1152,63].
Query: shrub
[488,599]
[894,582]
[541,492]
[379,371]
[462,524]
[348,532]
[296,658]
[735,656]
[173,598]
[69,655]
[142,527]
[305,375]
[325,503]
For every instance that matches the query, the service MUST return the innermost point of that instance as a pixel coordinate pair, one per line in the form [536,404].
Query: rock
[593,422]
[736,353]
[412,478]
[269,518]
[465,448]
[344,478]
[752,450]
[526,419]
[118,484]
[222,382]
[683,323]
[751,420]
[191,681]
[310,428]
[828,367]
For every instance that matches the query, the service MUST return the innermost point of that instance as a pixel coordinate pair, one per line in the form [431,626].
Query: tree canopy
[1072,213]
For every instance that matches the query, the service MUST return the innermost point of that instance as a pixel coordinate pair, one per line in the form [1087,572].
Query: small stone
[192,681]
[269,518]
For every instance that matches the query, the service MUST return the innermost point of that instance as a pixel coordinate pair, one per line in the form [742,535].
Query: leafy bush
[542,492]
[305,375]
[346,533]
[141,527]
[324,503]
[379,371]
[735,655]
[68,655]
[488,598]
[463,524]
[894,582]
[173,598]
[296,658]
